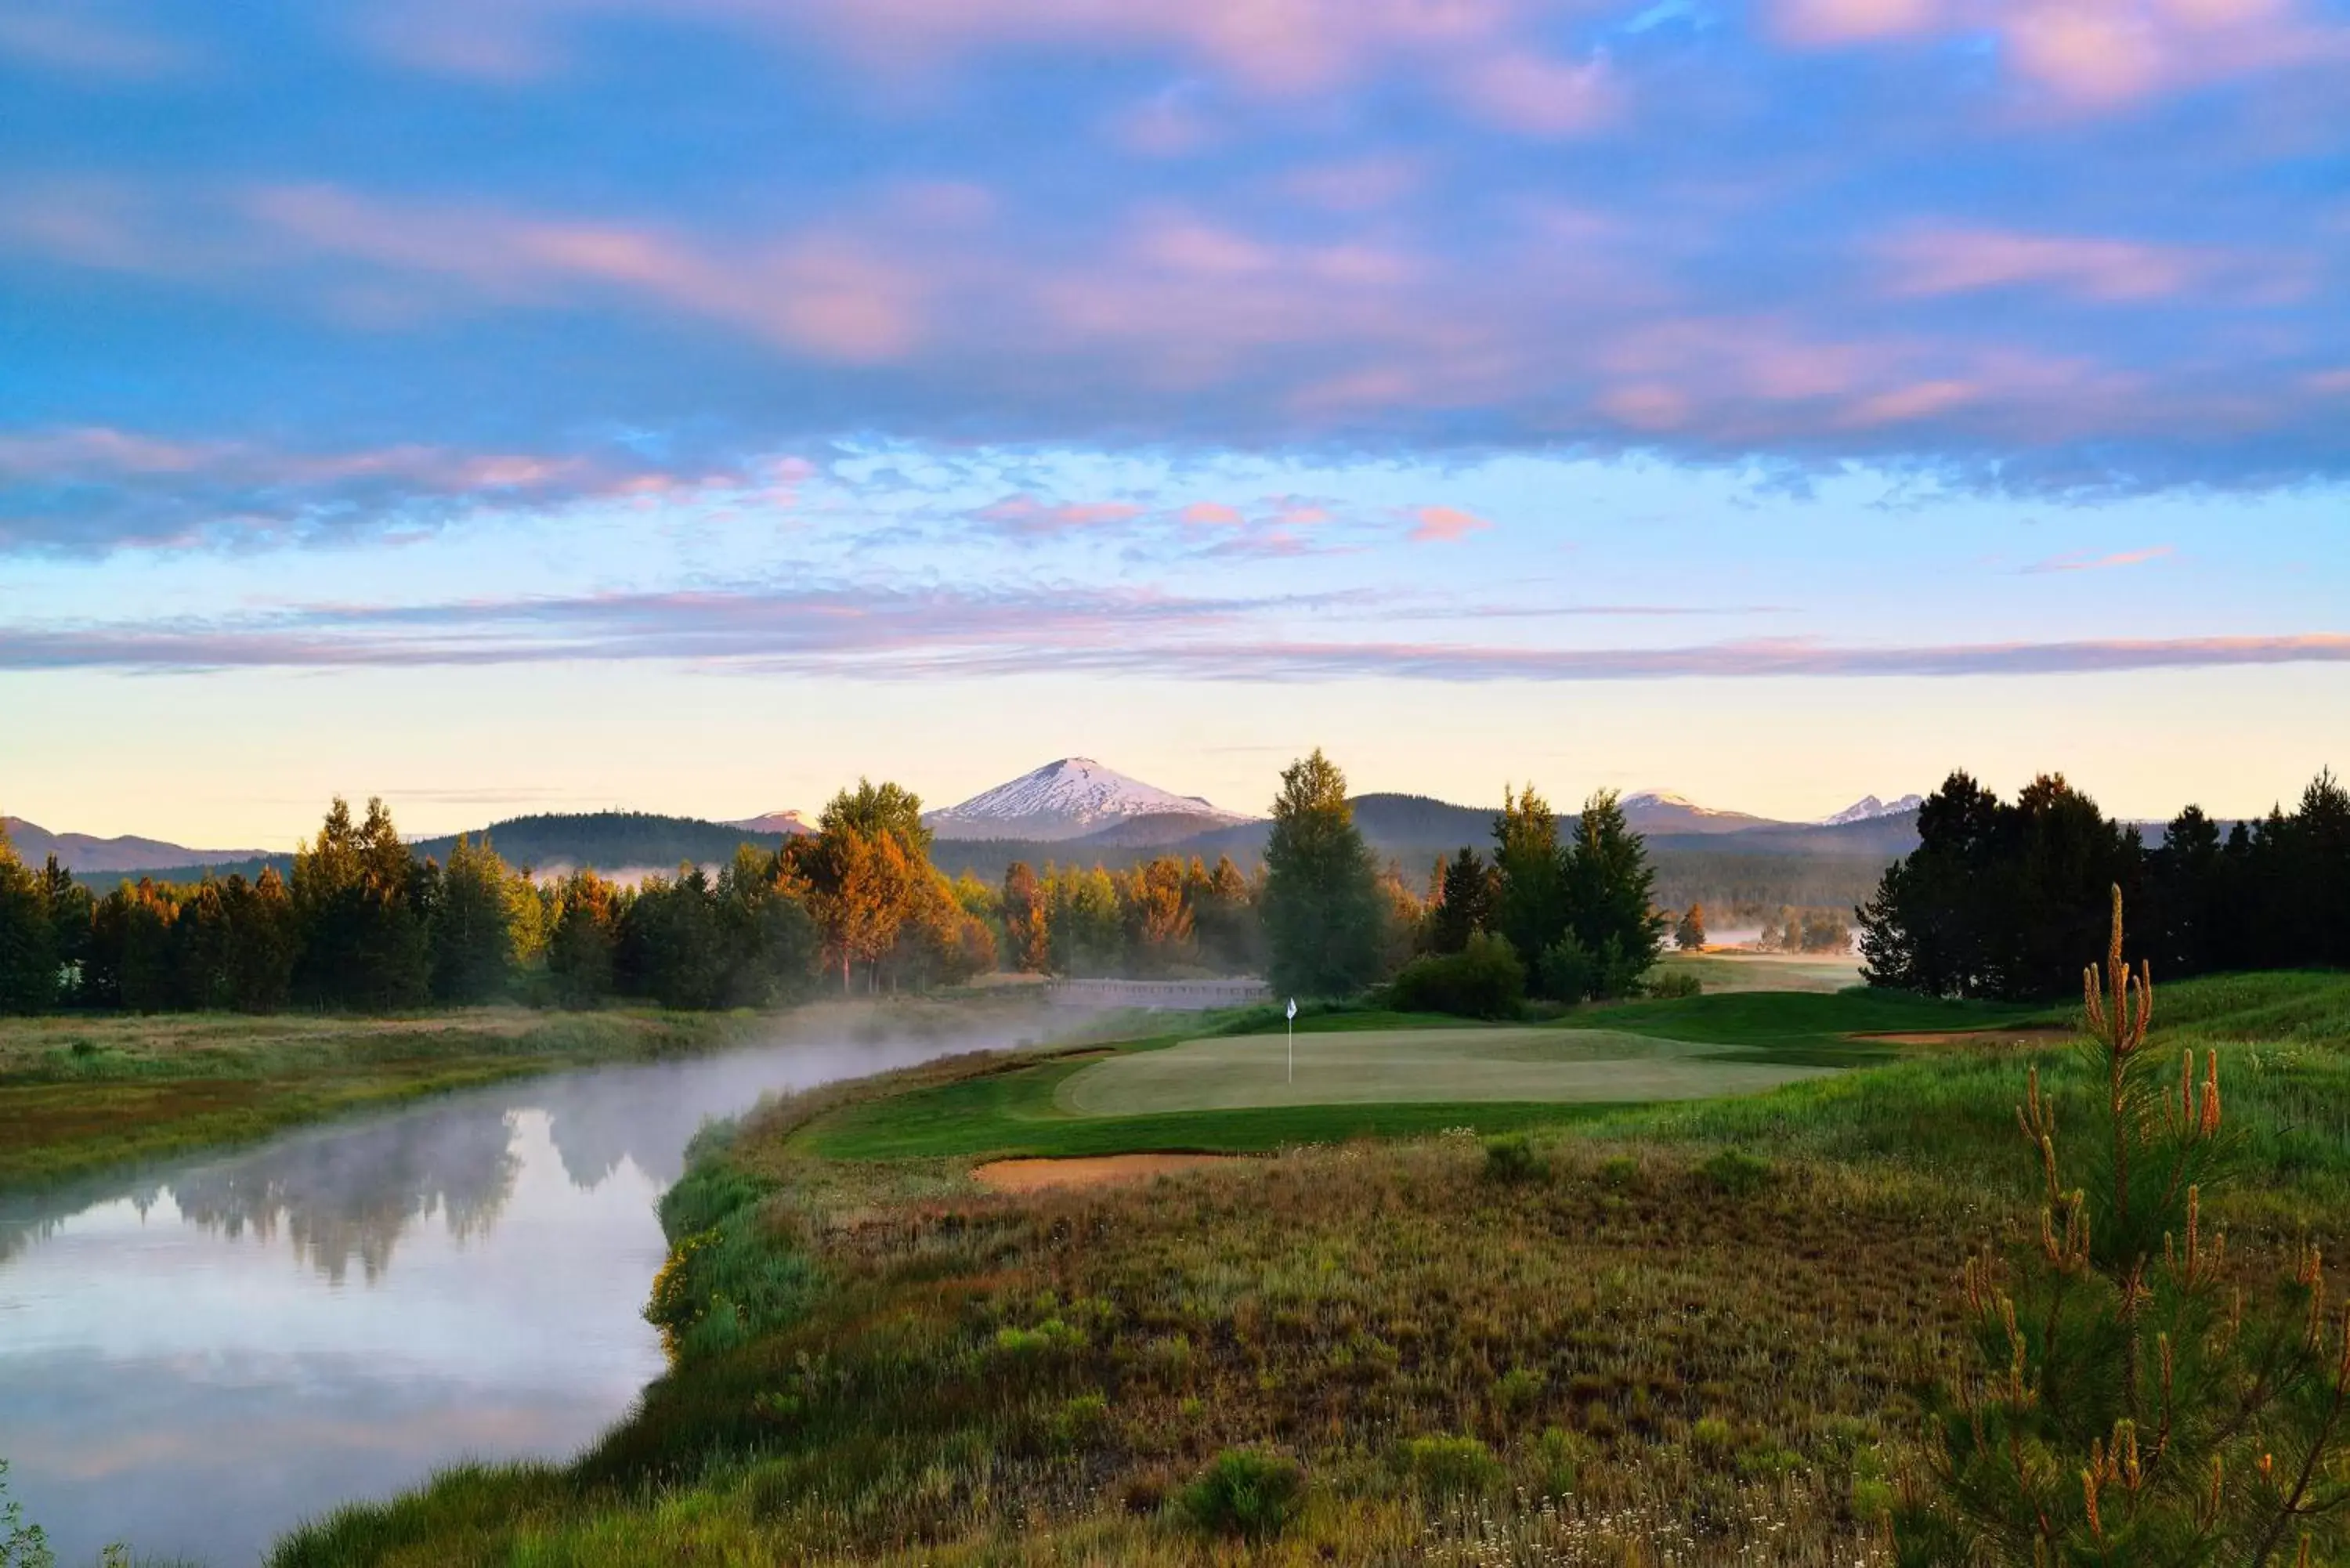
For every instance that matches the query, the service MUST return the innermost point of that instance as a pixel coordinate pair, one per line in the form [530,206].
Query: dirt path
[1096,1170]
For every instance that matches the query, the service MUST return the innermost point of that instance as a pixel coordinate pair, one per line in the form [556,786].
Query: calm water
[198,1359]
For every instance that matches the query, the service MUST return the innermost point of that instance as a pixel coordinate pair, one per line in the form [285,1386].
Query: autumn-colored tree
[579,947]
[1027,934]
[1689,931]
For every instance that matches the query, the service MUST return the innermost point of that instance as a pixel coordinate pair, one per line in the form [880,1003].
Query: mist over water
[194,1359]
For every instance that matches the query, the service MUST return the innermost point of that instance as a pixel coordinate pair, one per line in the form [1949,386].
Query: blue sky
[535,403]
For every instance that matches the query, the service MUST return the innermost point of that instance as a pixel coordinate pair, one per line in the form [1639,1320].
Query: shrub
[1510,1156]
[1484,980]
[1247,1492]
[1675,985]
[1736,1172]
[1445,1467]
[1081,1421]
[1517,1388]
[1559,1458]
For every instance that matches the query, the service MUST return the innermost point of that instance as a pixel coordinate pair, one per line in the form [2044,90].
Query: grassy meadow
[78,1094]
[1672,1332]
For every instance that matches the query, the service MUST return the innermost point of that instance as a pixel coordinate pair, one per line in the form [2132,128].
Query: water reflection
[196,1358]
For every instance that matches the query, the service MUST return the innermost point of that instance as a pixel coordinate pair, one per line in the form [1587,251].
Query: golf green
[1418,1064]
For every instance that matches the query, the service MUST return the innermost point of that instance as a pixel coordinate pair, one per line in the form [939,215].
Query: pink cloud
[1211,514]
[1960,260]
[1444,524]
[832,295]
[2086,56]
[1027,515]
[2087,563]
[1527,92]
[1921,400]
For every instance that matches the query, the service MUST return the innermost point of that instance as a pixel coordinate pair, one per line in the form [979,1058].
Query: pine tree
[29,953]
[1529,904]
[1688,933]
[473,927]
[1611,898]
[2132,1402]
[1464,906]
[1323,906]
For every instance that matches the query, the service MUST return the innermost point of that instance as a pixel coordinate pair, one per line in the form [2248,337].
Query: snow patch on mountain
[1868,808]
[1067,799]
[790,822]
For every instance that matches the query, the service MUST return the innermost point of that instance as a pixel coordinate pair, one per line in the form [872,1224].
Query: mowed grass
[1684,1334]
[78,1094]
[1371,1066]
[1017,1108]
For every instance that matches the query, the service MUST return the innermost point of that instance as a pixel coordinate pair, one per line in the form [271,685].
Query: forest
[364,921]
[2008,898]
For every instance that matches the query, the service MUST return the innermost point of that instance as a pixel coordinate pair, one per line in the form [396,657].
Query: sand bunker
[1096,1170]
[2034,1035]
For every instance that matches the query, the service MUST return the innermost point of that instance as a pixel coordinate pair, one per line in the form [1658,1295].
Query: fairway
[1404,1065]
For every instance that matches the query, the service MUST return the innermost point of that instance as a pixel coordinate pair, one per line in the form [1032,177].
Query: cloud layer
[2085,247]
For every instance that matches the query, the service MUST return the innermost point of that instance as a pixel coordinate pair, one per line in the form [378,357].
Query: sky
[531,405]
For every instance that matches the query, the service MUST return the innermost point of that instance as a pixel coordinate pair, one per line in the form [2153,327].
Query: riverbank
[1684,1333]
[80,1094]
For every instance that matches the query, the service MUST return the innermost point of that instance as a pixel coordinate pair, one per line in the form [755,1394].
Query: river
[197,1358]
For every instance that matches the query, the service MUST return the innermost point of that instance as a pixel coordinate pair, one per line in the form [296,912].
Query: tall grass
[1686,1335]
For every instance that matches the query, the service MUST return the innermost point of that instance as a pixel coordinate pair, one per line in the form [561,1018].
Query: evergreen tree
[1688,932]
[29,949]
[1610,896]
[668,949]
[1464,903]
[2128,1401]
[1529,904]
[473,927]
[1323,907]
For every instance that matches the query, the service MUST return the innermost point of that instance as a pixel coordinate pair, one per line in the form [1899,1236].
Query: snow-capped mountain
[1658,811]
[1868,808]
[1069,799]
[785,822]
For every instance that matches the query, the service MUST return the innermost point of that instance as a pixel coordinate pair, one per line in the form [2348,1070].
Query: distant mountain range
[1074,809]
[80,852]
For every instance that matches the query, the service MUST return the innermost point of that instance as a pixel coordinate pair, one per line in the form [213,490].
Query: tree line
[364,923]
[1565,909]
[2009,898]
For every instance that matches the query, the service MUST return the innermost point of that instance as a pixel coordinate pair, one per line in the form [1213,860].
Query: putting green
[1417,1064]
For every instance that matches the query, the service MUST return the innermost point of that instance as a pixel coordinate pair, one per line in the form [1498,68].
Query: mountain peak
[1868,808]
[790,822]
[1067,799]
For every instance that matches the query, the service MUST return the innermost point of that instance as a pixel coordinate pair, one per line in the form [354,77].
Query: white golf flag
[1293,1007]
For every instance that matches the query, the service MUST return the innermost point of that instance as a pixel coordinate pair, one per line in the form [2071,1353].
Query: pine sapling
[2128,1402]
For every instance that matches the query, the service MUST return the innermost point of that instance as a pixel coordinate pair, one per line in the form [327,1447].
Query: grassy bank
[1676,1334]
[80,1094]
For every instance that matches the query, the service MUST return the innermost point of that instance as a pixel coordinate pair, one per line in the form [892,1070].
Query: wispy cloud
[89,490]
[881,633]
[2084,562]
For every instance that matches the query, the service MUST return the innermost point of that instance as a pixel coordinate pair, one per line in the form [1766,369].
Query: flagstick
[1292,1050]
